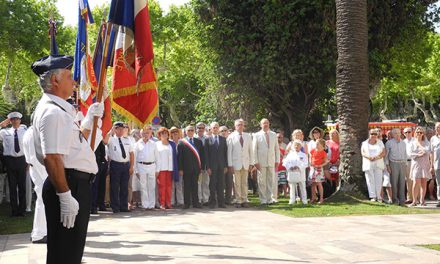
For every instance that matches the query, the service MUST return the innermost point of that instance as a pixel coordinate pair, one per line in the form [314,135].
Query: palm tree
[352,91]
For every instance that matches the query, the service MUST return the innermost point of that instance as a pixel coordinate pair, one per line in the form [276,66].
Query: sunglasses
[419,132]
[373,134]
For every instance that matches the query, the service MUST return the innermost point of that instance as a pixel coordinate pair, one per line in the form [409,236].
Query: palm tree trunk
[352,91]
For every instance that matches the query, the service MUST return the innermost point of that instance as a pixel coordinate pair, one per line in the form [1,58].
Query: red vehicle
[384,126]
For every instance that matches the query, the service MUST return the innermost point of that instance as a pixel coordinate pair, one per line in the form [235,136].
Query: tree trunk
[352,91]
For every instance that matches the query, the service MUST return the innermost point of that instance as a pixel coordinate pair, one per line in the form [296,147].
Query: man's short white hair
[44,79]
[238,121]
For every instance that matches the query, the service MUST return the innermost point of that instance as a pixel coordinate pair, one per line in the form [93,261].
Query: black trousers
[191,187]
[16,171]
[119,176]
[217,187]
[67,245]
[98,186]
[229,183]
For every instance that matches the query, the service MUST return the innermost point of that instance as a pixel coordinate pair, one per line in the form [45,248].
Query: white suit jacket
[265,155]
[239,157]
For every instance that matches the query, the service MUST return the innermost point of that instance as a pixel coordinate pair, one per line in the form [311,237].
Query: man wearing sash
[191,159]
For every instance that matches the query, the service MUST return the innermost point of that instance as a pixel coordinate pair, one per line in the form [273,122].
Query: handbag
[294,176]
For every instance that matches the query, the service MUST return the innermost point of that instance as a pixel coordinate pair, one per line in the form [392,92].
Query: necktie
[16,144]
[267,138]
[191,141]
[241,140]
[124,155]
[216,141]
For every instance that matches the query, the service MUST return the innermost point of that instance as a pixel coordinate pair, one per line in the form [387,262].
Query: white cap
[14,115]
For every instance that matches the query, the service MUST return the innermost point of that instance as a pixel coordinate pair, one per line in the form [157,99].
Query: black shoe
[197,206]
[102,208]
[94,211]
[205,204]
[186,206]
[41,241]
[221,206]
[212,206]
[115,211]
[125,210]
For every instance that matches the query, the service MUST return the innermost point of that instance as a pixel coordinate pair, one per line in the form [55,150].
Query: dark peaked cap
[52,62]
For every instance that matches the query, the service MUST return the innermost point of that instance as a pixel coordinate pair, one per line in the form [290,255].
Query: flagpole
[102,79]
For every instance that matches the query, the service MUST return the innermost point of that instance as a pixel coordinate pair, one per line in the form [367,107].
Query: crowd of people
[407,166]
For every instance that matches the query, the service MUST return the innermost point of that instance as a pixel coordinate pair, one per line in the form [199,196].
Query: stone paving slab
[244,236]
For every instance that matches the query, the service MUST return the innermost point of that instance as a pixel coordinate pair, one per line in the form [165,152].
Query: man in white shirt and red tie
[146,169]
[12,139]
[240,156]
[266,158]
[120,152]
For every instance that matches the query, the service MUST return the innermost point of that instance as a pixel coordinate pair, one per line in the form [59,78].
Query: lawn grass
[431,246]
[14,225]
[339,205]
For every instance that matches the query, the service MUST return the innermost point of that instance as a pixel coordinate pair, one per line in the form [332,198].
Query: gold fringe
[121,110]
[133,89]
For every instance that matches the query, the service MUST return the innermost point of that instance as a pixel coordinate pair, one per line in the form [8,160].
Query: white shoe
[372,199]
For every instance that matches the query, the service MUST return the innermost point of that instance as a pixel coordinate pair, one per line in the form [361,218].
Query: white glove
[96,109]
[69,208]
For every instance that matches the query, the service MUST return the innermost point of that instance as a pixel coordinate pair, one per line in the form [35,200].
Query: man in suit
[203,183]
[240,156]
[217,163]
[191,159]
[266,158]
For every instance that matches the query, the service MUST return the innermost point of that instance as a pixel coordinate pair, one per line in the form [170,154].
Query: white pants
[28,192]
[302,192]
[147,179]
[203,187]
[241,186]
[38,175]
[4,188]
[275,186]
[265,183]
[374,182]
[177,192]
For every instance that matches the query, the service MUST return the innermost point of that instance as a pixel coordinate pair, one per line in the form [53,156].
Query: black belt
[145,163]
[79,174]
[123,163]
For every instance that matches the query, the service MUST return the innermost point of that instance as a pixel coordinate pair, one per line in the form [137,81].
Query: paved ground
[244,236]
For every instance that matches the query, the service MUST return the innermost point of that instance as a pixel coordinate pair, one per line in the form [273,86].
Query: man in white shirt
[266,159]
[396,160]
[146,169]
[120,152]
[60,143]
[15,161]
[407,132]
[240,156]
[38,175]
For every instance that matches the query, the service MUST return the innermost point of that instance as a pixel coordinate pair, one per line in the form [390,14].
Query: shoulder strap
[52,102]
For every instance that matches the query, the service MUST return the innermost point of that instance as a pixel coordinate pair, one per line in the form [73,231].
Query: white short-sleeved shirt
[165,162]
[7,136]
[55,132]
[435,148]
[114,149]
